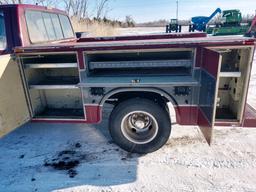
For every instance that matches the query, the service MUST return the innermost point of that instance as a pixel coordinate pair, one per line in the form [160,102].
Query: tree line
[83,10]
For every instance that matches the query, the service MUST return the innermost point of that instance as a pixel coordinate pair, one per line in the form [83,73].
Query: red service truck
[50,74]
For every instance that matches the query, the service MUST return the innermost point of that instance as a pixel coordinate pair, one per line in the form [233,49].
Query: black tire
[167,29]
[180,28]
[176,28]
[159,114]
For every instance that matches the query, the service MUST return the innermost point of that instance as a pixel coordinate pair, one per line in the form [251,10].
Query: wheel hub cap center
[140,124]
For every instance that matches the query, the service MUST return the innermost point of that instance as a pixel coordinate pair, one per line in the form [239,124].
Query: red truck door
[210,67]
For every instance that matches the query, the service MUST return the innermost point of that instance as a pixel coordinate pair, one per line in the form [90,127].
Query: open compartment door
[13,105]
[210,67]
[249,119]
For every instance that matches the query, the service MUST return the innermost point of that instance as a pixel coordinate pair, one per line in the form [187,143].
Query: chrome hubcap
[139,127]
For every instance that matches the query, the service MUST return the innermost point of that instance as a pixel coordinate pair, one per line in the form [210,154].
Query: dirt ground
[83,158]
[68,157]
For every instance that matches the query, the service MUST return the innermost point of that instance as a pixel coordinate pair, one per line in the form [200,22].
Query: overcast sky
[149,10]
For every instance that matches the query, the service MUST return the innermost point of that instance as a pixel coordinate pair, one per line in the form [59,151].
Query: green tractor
[173,26]
[231,17]
[231,24]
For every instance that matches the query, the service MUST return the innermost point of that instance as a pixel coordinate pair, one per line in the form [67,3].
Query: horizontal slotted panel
[140,64]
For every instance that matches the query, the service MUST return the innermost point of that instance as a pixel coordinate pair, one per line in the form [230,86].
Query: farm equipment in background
[173,26]
[199,23]
[231,24]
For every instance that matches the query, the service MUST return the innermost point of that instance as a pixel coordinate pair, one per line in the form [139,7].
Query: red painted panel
[249,117]
[191,115]
[35,7]
[198,57]
[210,61]
[186,115]
[93,113]
[156,44]
[202,120]
[80,58]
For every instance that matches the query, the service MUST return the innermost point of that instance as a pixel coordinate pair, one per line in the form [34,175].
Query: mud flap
[210,67]
[13,105]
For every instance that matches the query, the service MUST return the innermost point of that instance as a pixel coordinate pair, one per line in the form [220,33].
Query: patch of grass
[95,28]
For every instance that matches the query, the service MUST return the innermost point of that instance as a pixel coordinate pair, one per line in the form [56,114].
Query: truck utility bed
[202,76]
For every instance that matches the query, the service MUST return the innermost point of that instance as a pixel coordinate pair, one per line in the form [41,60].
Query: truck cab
[24,25]
[21,26]
[48,75]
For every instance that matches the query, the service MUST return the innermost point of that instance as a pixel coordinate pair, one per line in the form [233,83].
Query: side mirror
[81,34]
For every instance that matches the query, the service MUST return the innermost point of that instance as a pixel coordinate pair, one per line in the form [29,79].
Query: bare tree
[129,21]
[101,8]
[67,6]
[84,9]
[78,8]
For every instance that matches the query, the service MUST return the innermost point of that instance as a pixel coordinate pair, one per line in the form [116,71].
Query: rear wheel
[180,28]
[139,126]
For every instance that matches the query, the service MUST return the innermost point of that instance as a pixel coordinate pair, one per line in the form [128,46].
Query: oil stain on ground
[70,158]
[67,160]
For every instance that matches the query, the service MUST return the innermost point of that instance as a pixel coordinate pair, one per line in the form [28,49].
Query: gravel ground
[78,157]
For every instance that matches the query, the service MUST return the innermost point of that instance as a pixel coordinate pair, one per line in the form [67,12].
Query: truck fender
[171,101]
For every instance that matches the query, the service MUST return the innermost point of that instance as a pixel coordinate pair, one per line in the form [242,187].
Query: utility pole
[177,9]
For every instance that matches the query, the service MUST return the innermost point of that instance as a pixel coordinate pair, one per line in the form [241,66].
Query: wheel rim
[139,127]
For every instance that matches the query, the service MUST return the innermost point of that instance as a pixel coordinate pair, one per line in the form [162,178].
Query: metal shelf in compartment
[56,83]
[231,74]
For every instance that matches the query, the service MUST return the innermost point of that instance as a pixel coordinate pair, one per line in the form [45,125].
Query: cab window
[66,26]
[45,27]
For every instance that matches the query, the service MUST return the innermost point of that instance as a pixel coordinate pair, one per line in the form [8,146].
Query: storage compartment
[67,60]
[175,62]
[233,81]
[229,97]
[52,86]
[230,60]
[57,104]
[38,78]
[50,71]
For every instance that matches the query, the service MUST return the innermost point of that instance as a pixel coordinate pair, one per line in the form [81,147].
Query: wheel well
[155,97]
